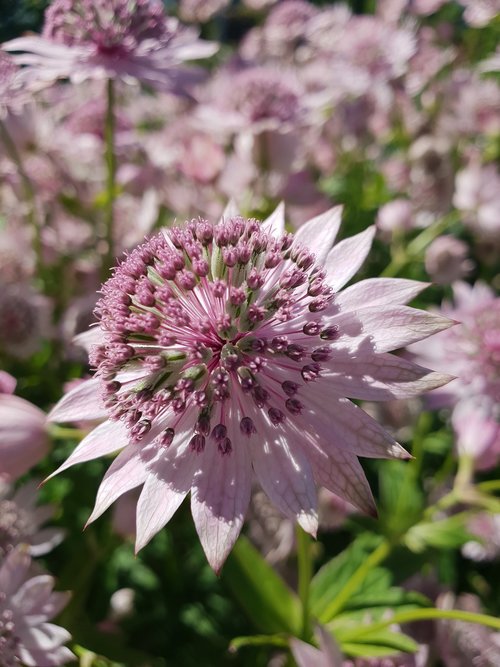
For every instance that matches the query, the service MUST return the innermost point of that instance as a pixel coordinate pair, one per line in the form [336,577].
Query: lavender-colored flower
[21,521]
[478,13]
[126,39]
[12,96]
[464,644]
[23,436]
[255,99]
[477,195]
[471,351]
[446,260]
[200,11]
[27,604]
[327,655]
[217,347]
[24,319]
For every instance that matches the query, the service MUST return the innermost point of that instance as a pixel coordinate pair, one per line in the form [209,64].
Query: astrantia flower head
[471,351]
[27,603]
[130,39]
[225,349]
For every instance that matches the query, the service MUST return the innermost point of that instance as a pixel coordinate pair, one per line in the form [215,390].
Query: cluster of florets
[15,524]
[111,25]
[194,316]
[260,94]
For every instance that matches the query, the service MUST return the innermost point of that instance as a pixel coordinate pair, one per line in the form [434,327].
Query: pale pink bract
[27,603]
[227,350]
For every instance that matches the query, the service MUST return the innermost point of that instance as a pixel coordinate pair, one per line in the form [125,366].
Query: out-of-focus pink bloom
[396,216]
[7,383]
[23,436]
[123,519]
[485,527]
[464,644]
[327,655]
[21,521]
[200,11]
[254,100]
[446,260]
[431,178]
[286,25]
[426,7]
[12,95]
[477,195]
[27,604]
[478,13]
[220,365]
[24,320]
[471,351]
[130,40]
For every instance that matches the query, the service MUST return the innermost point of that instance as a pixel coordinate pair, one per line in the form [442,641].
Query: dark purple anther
[247,426]
[294,406]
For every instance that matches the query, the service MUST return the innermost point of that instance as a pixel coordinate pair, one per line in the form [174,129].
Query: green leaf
[379,645]
[449,533]
[332,577]
[265,597]
[401,500]
[258,640]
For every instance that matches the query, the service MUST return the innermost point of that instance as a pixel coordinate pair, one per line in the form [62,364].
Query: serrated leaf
[332,577]
[449,533]
[269,602]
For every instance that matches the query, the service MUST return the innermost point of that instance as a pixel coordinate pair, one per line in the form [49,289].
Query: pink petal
[81,403]
[378,377]
[41,658]
[163,492]
[285,474]
[319,234]
[14,570]
[346,258]
[350,428]
[388,328]
[105,439]
[275,223]
[125,473]
[341,473]
[220,497]
[375,291]
[32,595]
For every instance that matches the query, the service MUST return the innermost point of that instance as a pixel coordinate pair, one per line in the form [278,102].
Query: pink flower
[327,655]
[130,40]
[227,349]
[477,195]
[446,259]
[200,11]
[471,351]
[21,521]
[23,436]
[24,319]
[12,96]
[27,603]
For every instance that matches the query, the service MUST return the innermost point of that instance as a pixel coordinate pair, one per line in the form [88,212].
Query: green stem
[418,245]
[65,433]
[355,581]
[109,215]
[29,193]
[430,614]
[490,485]
[305,572]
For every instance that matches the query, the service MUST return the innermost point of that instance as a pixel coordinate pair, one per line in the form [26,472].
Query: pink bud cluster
[202,314]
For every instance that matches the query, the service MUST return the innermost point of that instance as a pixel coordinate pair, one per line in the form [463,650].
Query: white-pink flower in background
[21,521]
[226,351]
[24,439]
[27,604]
[470,351]
[12,96]
[97,39]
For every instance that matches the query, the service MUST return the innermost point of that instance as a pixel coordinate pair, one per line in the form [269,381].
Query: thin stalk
[29,193]
[110,157]
[430,614]
[415,248]
[305,572]
[355,581]
[66,432]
